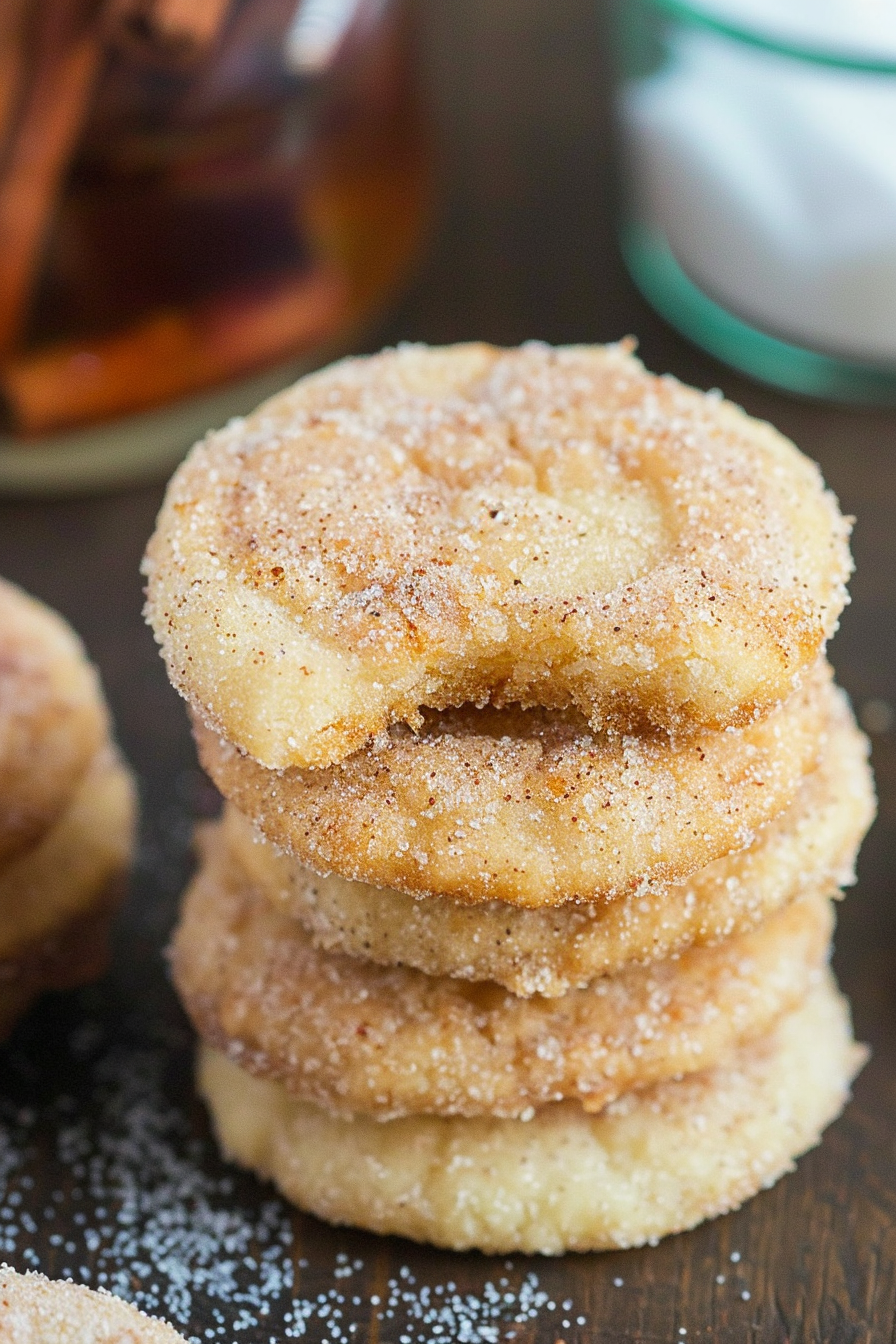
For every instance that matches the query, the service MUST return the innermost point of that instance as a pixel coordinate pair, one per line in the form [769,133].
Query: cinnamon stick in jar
[12,64]
[65,50]
[176,30]
[50,55]
[170,354]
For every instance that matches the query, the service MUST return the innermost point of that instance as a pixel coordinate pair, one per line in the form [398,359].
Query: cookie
[655,1162]
[357,1038]
[37,1310]
[58,899]
[88,849]
[809,849]
[52,717]
[530,807]
[434,527]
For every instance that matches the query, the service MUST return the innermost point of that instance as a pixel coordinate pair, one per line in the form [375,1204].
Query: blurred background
[199,200]
[202,199]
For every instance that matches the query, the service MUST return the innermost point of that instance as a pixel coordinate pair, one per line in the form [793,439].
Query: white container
[759,153]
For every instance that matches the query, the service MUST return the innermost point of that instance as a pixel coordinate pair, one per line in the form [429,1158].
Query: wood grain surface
[524,248]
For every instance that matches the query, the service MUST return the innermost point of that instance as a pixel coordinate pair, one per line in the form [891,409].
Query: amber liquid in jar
[192,190]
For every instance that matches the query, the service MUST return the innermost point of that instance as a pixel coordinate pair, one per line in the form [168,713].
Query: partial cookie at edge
[89,847]
[59,899]
[53,719]
[36,1310]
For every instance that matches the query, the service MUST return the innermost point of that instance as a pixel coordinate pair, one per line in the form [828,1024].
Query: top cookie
[550,527]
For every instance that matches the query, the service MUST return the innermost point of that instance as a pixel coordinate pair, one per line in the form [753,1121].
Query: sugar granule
[158,1229]
[146,1210]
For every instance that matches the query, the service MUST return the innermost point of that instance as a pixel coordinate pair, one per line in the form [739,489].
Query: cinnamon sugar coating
[52,717]
[357,1038]
[37,1310]
[432,527]
[808,849]
[652,1163]
[531,807]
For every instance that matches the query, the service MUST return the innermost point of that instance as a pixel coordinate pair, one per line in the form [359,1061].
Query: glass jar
[758,164]
[199,200]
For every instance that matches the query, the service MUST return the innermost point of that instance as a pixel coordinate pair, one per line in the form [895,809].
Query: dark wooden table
[106,1165]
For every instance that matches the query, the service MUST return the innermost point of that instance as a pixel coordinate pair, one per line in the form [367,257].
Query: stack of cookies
[510,666]
[67,809]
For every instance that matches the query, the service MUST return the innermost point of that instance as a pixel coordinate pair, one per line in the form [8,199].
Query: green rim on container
[686,13]
[674,295]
